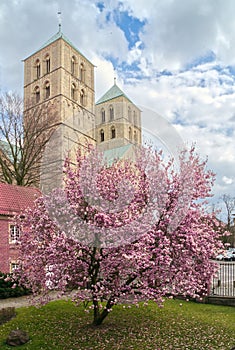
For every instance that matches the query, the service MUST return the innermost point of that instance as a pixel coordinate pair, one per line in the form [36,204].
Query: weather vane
[114,71]
[59,20]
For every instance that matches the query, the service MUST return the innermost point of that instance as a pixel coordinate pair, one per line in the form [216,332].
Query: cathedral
[59,80]
[59,77]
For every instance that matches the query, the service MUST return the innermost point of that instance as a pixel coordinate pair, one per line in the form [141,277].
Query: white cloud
[227,180]
[199,99]
[104,76]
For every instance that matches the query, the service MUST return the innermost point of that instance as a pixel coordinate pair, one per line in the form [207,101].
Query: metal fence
[224,283]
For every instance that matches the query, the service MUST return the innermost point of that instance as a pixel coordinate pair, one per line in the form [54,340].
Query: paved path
[27,301]
[14,302]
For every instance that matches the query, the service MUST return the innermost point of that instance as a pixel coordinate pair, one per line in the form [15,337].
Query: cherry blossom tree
[125,232]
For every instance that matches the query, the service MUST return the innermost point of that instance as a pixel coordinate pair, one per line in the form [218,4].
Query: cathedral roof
[116,153]
[57,36]
[112,93]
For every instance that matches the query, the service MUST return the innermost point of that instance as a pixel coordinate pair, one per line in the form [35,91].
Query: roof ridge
[112,93]
[53,38]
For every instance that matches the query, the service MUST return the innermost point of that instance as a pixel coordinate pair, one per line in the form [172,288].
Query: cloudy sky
[176,57]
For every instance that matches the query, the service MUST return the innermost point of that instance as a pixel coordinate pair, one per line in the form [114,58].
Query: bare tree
[229,203]
[22,140]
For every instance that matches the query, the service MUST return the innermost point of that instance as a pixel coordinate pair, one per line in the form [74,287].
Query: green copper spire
[112,93]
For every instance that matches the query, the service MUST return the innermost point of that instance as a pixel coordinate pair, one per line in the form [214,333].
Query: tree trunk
[99,318]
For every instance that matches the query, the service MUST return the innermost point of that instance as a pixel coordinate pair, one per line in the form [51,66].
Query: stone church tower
[118,120]
[58,78]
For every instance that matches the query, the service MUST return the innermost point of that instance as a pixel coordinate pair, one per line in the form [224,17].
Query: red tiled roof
[14,199]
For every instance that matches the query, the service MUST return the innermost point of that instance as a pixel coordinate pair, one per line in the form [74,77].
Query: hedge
[9,287]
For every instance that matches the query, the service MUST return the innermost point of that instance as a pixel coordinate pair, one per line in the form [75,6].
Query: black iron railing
[224,283]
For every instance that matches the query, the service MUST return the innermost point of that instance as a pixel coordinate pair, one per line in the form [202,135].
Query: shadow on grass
[179,325]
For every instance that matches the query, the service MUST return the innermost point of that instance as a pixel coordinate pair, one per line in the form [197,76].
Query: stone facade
[118,123]
[59,78]
[58,75]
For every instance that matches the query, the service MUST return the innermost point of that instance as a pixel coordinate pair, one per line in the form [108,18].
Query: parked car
[227,255]
[220,257]
[230,256]
[232,250]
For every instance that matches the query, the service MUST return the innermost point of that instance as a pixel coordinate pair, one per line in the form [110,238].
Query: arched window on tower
[73,65]
[101,135]
[47,90]
[48,64]
[129,114]
[82,98]
[82,72]
[37,94]
[135,136]
[111,113]
[103,115]
[38,69]
[113,132]
[130,134]
[73,91]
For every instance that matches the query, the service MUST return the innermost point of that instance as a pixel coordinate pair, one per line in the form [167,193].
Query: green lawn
[179,325]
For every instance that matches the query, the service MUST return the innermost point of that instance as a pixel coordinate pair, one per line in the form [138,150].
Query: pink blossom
[143,240]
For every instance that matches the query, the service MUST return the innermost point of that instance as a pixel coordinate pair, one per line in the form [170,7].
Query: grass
[7,314]
[180,325]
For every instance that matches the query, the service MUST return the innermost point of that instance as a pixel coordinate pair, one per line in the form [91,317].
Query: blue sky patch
[124,70]
[113,60]
[100,6]
[164,72]
[207,58]
[131,26]
[178,118]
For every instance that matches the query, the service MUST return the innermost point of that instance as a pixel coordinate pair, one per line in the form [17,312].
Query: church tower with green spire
[118,120]
[59,84]
[59,77]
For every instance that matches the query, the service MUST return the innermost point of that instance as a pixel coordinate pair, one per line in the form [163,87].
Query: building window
[103,115]
[37,94]
[38,69]
[14,233]
[113,132]
[13,266]
[47,89]
[73,64]
[73,92]
[111,113]
[135,136]
[82,97]
[101,135]
[130,134]
[48,64]
[82,72]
